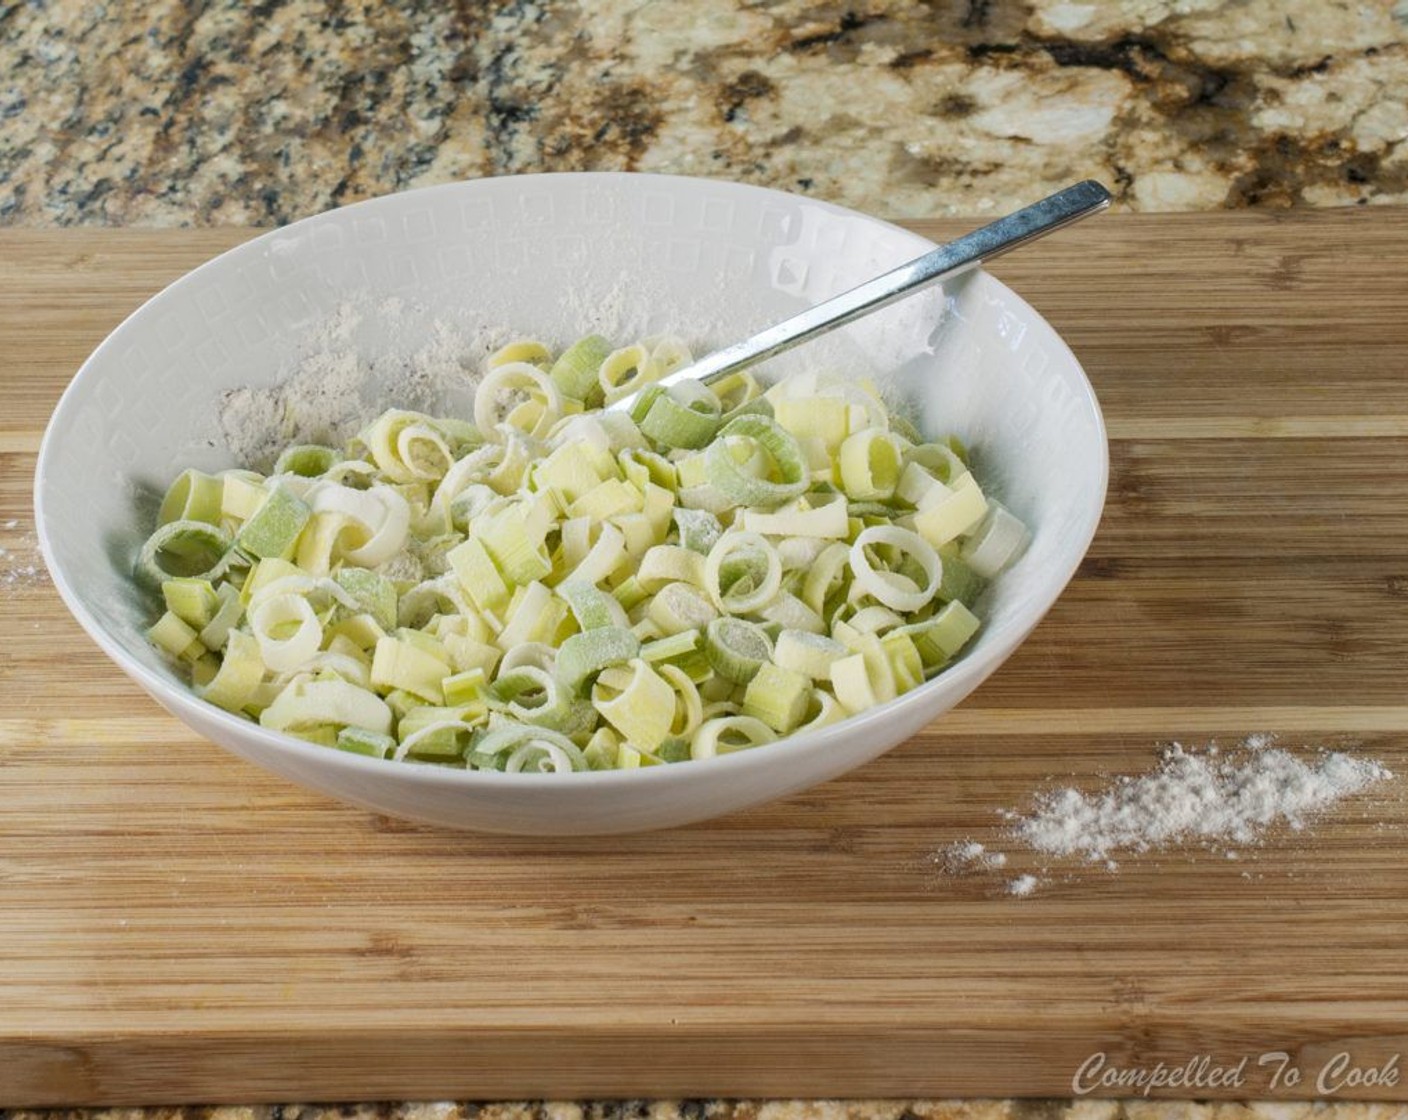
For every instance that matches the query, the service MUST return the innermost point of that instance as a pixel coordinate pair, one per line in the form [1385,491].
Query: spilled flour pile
[1191,796]
[1195,796]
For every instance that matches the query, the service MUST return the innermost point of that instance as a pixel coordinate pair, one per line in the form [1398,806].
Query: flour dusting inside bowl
[337,385]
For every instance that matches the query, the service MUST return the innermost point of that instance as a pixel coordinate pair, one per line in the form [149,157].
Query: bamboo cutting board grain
[177,926]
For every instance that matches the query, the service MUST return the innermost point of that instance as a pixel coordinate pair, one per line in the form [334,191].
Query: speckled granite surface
[171,113]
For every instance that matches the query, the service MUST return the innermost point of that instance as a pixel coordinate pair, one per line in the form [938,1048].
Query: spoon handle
[967,252]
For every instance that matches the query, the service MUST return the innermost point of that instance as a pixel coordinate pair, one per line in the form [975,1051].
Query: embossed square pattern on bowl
[544,255]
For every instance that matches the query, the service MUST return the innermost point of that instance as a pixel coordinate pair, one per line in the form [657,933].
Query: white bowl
[557,256]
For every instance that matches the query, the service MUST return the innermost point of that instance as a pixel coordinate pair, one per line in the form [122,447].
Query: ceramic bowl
[557,256]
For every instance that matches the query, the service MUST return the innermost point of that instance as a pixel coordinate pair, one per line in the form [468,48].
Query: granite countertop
[235,113]
[171,114]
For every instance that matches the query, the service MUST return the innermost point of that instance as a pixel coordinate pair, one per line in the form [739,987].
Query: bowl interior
[392,287]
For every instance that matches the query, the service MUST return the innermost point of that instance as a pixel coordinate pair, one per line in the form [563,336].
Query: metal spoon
[968,252]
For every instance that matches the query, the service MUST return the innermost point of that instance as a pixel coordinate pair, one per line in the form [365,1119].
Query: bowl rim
[964,676]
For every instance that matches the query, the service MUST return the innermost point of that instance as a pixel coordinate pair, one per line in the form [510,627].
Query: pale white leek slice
[890,591]
[381,516]
[808,653]
[762,583]
[825,575]
[637,701]
[239,674]
[874,619]
[870,463]
[735,390]
[423,455]
[825,520]
[530,695]
[478,575]
[400,664]
[850,680]
[939,460]
[677,607]
[507,387]
[528,350]
[279,613]
[624,371]
[668,353]
[354,469]
[545,758]
[800,553]
[473,468]
[778,697]
[441,595]
[725,734]
[532,616]
[920,488]
[996,542]
[318,541]
[604,557]
[424,452]
[669,563]
[823,709]
[346,660]
[789,612]
[956,514]
[194,496]
[825,419]
[530,655]
[297,583]
[226,618]
[689,707]
[879,673]
[508,474]
[312,703]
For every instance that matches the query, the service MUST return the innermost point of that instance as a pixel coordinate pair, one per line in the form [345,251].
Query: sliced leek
[550,588]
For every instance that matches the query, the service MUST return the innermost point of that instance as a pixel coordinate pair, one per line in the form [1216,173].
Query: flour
[20,567]
[1022,886]
[1195,796]
[368,356]
[340,380]
[606,314]
[1223,801]
[966,856]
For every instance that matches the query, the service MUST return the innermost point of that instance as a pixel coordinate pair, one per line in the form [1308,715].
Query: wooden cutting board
[178,926]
